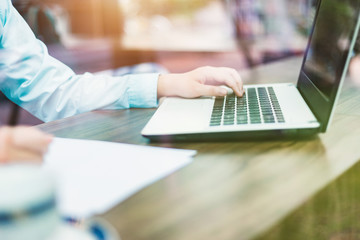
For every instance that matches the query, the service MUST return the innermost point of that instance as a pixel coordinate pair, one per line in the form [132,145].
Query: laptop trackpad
[177,115]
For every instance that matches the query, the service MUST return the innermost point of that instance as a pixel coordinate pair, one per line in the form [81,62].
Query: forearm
[50,90]
[70,95]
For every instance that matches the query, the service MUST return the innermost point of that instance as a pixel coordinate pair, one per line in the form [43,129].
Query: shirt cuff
[142,91]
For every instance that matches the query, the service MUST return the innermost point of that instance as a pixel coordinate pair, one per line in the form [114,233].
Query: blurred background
[180,35]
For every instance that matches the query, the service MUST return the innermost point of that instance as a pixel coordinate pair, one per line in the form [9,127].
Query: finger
[238,81]
[30,139]
[208,90]
[234,81]
[228,77]
[24,155]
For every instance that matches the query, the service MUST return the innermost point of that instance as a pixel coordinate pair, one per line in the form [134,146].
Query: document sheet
[93,176]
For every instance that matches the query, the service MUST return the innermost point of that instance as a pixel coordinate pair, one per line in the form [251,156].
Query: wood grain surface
[232,190]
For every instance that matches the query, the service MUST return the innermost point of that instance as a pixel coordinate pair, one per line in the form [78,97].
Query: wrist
[167,85]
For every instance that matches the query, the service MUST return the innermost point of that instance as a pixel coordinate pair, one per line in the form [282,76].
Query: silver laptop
[273,109]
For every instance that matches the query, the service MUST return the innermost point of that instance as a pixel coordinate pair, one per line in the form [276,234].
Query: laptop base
[280,134]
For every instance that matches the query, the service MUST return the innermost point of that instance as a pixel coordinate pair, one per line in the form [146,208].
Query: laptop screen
[327,55]
[330,43]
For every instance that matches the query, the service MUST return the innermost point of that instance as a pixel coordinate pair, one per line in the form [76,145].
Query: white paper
[94,176]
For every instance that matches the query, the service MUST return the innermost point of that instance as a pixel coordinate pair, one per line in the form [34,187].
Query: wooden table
[232,190]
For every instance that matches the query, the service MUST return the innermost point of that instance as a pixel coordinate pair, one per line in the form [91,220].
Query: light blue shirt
[49,89]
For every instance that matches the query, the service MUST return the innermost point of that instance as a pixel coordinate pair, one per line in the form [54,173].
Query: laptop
[272,110]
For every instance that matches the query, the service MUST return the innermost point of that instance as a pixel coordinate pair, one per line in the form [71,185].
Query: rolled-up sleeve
[49,89]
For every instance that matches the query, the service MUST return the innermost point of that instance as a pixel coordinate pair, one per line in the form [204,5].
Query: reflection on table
[331,214]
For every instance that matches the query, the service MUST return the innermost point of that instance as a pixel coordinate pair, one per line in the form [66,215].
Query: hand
[22,144]
[203,81]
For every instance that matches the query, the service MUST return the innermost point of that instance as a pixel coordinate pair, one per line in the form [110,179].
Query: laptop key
[212,124]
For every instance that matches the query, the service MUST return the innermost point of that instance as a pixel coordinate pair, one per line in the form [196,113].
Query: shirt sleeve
[49,89]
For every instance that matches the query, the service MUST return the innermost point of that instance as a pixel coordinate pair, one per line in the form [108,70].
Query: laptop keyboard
[258,105]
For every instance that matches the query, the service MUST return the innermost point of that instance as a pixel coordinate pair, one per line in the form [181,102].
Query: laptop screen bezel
[321,105]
